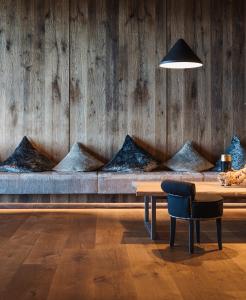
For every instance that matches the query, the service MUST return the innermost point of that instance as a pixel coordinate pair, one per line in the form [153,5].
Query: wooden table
[151,190]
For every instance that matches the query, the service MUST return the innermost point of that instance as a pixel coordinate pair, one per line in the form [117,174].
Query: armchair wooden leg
[219,232]
[172,231]
[198,231]
[191,236]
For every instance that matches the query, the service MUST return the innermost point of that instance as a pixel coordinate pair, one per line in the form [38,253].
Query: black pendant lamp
[180,56]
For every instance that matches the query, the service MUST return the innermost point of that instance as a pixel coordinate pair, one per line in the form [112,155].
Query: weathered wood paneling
[87,70]
[35,75]
[207,105]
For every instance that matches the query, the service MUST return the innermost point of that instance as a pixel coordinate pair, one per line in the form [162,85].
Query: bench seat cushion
[210,176]
[48,183]
[121,183]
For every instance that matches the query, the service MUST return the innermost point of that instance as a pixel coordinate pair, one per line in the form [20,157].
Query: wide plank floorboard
[107,254]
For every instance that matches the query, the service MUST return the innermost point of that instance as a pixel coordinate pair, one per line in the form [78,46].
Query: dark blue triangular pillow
[131,157]
[238,154]
[26,158]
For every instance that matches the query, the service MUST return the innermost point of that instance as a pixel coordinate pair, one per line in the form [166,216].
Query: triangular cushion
[131,157]
[26,158]
[238,154]
[188,159]
[78,160]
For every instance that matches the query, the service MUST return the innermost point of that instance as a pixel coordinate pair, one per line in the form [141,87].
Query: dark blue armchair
[183,203]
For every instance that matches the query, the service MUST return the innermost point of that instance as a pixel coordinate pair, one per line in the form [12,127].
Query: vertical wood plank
[189,117]
[175,78]
[238,68]
[217,131]
[161,123]
[78,46]
[141,71]
[96,114]
[12,102]
[227,73]
[112,103]
[56,113]
[123,66]
[202,40]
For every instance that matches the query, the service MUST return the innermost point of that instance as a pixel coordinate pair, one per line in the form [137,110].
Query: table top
[153,188]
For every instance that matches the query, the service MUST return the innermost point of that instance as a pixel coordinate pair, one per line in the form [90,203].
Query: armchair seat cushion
[210,206]
[207,198]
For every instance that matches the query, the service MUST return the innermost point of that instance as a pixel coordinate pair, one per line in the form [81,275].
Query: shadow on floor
[234,231]
[180,254]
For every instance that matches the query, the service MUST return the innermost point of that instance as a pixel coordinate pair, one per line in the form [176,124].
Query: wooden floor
[106,254]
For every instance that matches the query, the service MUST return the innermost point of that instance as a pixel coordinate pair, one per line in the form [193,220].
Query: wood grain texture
[49,183]
[107,254]
[143,188]
[87,71]
[34,75]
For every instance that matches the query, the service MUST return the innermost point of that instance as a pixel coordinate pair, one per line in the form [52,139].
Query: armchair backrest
[180,196]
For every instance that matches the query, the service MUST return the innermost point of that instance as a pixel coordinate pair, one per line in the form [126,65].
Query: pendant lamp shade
[180,56]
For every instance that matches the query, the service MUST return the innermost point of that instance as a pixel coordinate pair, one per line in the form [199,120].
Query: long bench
[87,183]
[112,187]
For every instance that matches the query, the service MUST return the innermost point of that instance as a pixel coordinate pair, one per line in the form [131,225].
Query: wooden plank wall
[34,76]
[87,70]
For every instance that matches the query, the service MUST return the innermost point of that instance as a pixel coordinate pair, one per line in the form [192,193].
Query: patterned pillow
[78,160]
[26,158]
[189,160]
[238,153]
[131,157]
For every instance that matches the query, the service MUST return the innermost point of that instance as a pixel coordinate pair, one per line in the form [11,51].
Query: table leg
[150,225]
[153,218]
[146,208]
